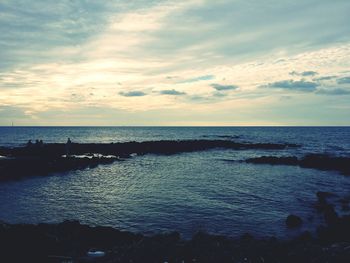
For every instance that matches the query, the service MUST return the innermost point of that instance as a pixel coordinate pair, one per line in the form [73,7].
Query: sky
[178,63]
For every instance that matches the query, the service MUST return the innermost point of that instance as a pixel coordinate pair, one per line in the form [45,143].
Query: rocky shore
[19,162]
[315,161]
[71,241]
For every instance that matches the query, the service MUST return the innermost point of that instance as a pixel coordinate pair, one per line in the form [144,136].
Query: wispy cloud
[196,79]
[304,74]
[220,87]
[345,80]
[300,85]
[133,93]
[172,92]
[324,78]
[334,91]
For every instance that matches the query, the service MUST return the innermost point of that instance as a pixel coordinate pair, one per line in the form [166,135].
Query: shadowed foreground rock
[315,161]
[45,159]
[70,241]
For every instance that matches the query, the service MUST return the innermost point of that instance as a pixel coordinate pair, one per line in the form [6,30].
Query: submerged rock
[293,221]
[274,160]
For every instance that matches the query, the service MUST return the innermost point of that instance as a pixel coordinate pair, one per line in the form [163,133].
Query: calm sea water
[185,192]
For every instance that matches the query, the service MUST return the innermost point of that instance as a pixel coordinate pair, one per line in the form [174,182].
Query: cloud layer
[233,59]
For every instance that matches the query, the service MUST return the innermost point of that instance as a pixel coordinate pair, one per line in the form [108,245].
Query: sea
[210,191]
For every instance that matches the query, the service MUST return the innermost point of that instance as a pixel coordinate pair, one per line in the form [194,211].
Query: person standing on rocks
[68,147]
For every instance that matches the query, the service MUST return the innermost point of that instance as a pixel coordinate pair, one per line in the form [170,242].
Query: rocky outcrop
[44,159]
[126,148]
[315,161]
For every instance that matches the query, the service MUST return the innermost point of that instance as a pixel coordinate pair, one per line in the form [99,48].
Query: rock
[306,236]
[322,196]
[20,162]
[316,161]
[293,221]
[272,160]
[345,207]
[330,216]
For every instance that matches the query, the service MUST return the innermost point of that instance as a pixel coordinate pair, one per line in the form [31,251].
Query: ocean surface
[185,192]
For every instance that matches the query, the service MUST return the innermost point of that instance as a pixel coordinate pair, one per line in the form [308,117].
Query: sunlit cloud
[201,56]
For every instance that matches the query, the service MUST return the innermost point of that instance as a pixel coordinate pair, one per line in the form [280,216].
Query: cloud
[196,79]
[304,74]
[199,99]
[135,93]
[324,78]
[219,94]
[336,91]
[345,80]
[89,46]
[11,112]
[220,87]
[172,92]
[289,27]
[64,24]
[300,85]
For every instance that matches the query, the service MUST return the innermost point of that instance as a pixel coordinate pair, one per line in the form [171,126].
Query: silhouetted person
[29,144]
[68,146]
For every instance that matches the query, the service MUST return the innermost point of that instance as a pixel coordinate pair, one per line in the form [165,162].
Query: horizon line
[169,126]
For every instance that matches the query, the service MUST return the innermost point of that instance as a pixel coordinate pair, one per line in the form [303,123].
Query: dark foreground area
[71,241]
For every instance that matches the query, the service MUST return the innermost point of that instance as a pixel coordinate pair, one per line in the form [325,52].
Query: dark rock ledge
[315,161]
[44,159]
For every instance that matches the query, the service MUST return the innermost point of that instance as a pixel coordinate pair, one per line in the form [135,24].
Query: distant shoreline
[171,126]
